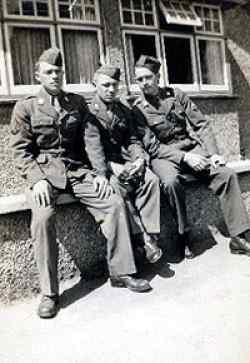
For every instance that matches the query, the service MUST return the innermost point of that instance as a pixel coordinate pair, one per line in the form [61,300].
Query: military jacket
[47,142]
[111,138]
[176,122]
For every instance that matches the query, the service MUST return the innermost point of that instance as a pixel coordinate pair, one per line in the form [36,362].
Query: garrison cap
[149,62]
[52,56]
[109,70]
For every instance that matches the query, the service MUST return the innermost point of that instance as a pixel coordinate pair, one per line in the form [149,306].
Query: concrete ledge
[17,203]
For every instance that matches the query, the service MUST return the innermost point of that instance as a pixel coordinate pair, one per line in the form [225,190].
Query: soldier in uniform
[113,150]
[182,146]
[47,136]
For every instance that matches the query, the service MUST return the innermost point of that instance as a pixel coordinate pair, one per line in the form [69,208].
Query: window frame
[79,87]
[214,88]
[194,87]
[142,26]
[210,6]
[133,86]
[3,68]
[79,21]
[28,17]
[26,88]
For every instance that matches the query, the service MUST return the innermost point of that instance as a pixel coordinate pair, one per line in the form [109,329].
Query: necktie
[55,103]
[110,113]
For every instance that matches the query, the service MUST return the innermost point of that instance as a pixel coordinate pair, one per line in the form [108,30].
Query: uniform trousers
[109,213]
[142,202]
[222,181]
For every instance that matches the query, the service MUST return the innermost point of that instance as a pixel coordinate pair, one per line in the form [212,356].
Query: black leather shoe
[153,252]
[239,246]
[131,283]
[48,307]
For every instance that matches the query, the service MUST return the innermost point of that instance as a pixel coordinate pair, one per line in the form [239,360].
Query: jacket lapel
[100,111]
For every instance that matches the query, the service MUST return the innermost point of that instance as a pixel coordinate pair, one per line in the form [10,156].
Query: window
[211,49]
[25,43]
[211,19]
[78,10]
[81,48]
[189,42]
[138,12]
[31,26]
[182,13]
[179,60]
[27,8]
[136,44]
[211,63]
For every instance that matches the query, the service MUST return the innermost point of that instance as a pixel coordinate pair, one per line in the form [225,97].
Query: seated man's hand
[137,167]
[217,160]
[102,187]
[196,161]
[42,193]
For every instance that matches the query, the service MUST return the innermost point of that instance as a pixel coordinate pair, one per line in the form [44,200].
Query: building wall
[237,25]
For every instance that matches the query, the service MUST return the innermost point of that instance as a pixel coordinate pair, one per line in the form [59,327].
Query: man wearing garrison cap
[114,150]
[182,147]
[47,136]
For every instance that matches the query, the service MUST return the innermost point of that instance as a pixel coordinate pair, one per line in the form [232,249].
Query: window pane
[127,17]
[76,13]
[64,11]
[126,4]
[216,27]
[90,14]
[82,56]
[179,61]
[136,45]
[208,25]
[149,20]
[26,46]
[148,5]
[42,9]
[211,60]
[28,8]
[137,4]
[13,7]
[138,18]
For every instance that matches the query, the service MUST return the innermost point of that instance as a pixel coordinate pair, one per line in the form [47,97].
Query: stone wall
[237,29]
